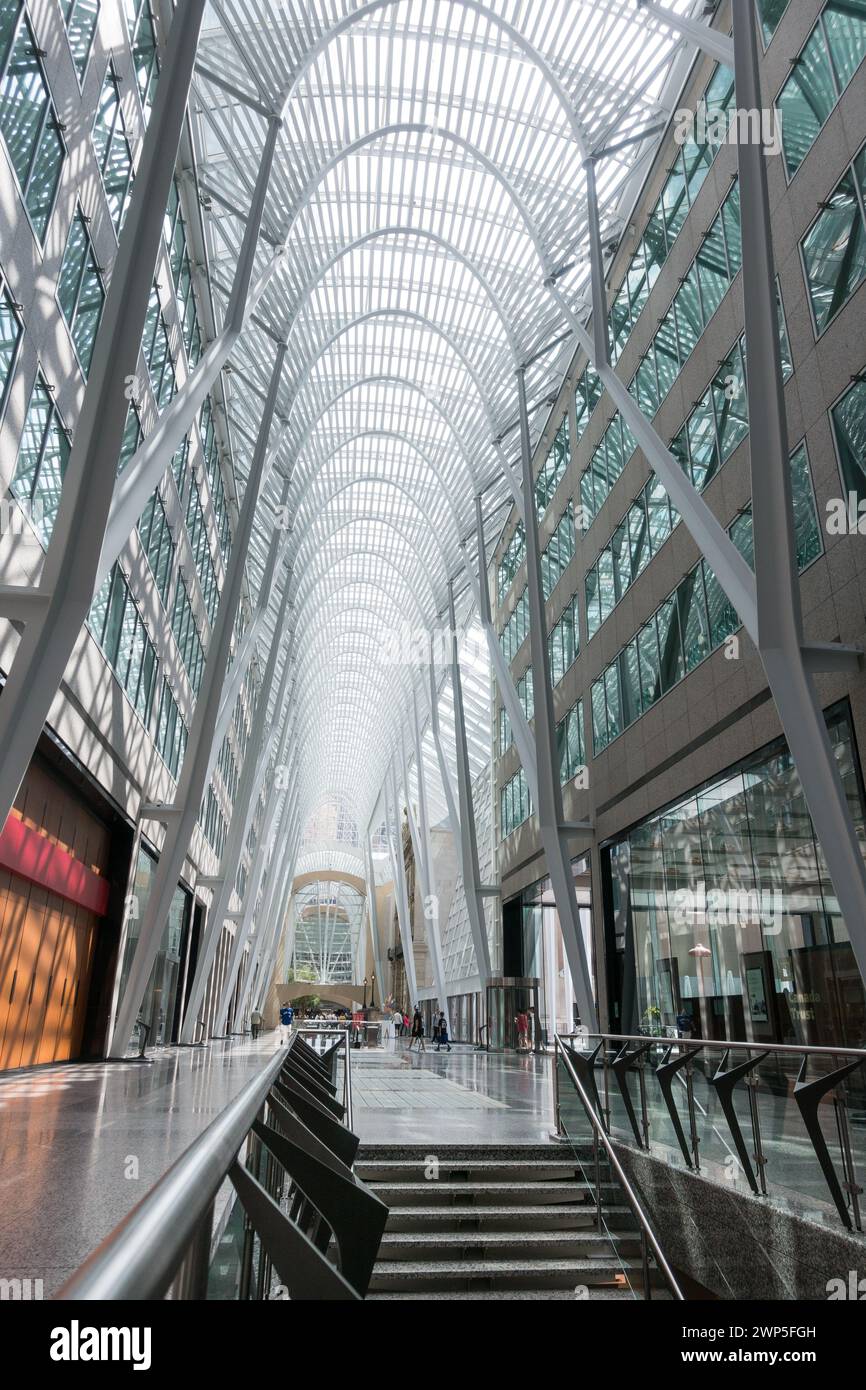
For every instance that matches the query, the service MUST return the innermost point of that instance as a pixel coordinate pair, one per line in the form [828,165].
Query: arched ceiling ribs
[311,573]
[316,601]
[514,34]
[405,334]
[445,134]
[396,312]
[313,476]
[406,383]
[384,481]
[397,230]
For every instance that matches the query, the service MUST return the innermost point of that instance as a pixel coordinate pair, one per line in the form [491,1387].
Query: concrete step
[620,1293]
[405,1153]
[519,1247]
[516,1194]
[462,1170]
[456,1276]
[547,1217]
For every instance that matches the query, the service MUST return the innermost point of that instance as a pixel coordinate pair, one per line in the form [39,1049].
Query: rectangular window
[11,333]
[198,539]
[157,540]
[829,59]
[559,552]
[112,148]
[181,269]
[570,744]
[729,403]
[629,680]
[142,39]
[515,554]
[564,642]
[157,354]
[834,248]
[514,804]
[133,434]
[186,636]
[600,736]
[80,290]
[43,454]
[214,474]
[171,734]
[848,417]
[28,120]
[80,17]
[552,469]
[771,12]
[119,629]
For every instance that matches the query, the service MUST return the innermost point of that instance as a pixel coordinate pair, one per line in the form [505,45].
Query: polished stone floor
[81,1145]
[454,1097]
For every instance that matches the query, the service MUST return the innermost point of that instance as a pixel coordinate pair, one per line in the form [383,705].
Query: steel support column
[192,784]
[263,859]
[523,739]
[270,919]
[401,895]
[467,838]
[69,576]
[549,803]
[153,456]
[600,335]
[244,805]
[373,909]
[780,626]
[423,846]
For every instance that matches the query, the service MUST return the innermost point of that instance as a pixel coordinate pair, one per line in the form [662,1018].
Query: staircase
[498,1222]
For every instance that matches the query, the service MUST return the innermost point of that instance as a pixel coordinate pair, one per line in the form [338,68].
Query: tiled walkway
[81,1145]
[454,1097]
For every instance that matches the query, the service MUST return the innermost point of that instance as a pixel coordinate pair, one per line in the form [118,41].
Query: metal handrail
[724,1044]
[631,1196]
[342,1041]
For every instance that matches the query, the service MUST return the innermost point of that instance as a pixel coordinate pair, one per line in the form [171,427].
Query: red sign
[26,852]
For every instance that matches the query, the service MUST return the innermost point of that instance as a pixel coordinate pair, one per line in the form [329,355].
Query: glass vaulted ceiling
[428,182]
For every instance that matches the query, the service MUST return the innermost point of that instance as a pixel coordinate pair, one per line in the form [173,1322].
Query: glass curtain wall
[159,1008]
[728,913]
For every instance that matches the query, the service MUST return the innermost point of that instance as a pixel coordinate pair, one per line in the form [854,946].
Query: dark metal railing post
[751,1082]
[599,1220]
[644,1256]
[693,1116]
[849,1172]
[606,1074]
[644,1111]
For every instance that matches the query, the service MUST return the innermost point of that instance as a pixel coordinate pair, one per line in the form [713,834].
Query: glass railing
[628,1254]
[784,1123]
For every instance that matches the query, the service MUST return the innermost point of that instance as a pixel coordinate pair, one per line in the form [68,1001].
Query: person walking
[256,1022]
[397,1020]
[442,1032]
[287,1017]
[417,1031]
[522,1023]
[405,1025]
